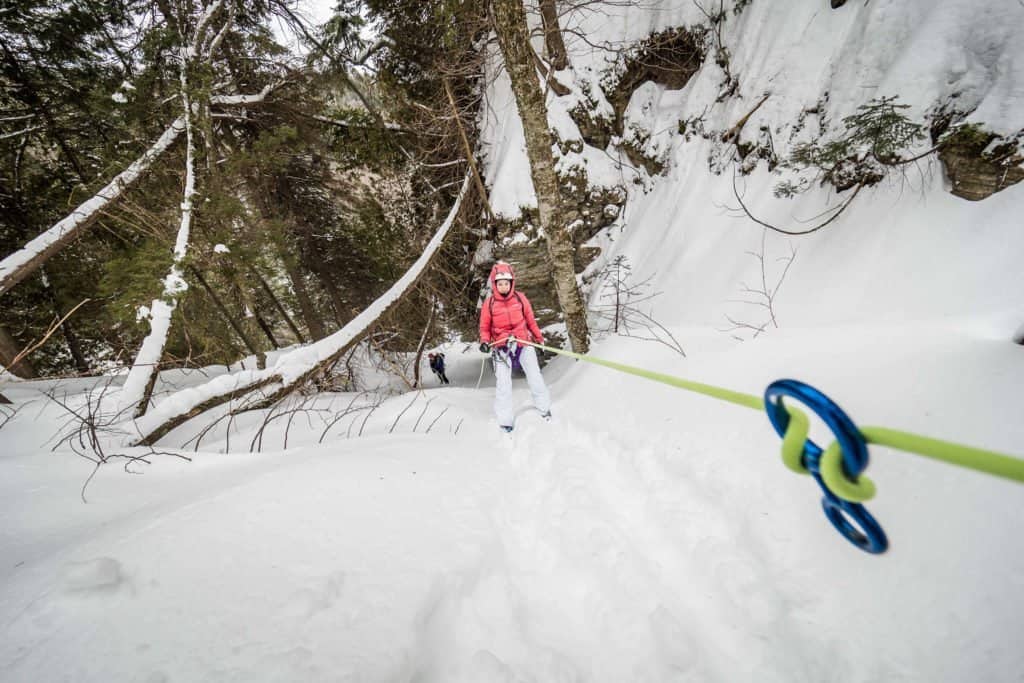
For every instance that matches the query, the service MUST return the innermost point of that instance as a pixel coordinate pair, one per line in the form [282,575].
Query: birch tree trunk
[138,386]
[510,26]
[294,368]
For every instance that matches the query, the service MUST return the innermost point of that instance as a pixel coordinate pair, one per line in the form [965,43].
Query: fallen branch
[734,132]
[293,369]
[49,333]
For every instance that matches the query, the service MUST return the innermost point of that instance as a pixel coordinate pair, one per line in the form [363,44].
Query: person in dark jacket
[507,313]
[437,365]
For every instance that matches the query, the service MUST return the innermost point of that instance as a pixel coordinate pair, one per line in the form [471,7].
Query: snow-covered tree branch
[292,369]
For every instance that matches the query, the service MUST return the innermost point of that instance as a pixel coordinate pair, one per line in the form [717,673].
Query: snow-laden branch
[135,392]
[33,255]
[192,50]
[291,369]
[28,259]
[341,123]
[244,99]
[219,38]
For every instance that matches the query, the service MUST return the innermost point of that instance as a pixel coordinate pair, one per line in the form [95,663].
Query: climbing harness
[839,468]
[508,355]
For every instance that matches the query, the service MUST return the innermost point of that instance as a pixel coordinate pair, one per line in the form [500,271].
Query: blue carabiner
[852,520]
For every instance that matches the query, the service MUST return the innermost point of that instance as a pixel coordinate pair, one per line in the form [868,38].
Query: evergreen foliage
[875,138]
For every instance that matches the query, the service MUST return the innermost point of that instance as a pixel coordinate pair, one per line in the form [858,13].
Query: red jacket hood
[501,267]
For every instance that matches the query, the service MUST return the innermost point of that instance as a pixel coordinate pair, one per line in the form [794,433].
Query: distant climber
[508,313]
[437,365]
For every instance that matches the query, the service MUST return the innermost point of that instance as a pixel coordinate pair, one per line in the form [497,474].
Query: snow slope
[646,534]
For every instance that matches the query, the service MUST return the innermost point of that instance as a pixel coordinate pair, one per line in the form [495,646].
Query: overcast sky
[316,11]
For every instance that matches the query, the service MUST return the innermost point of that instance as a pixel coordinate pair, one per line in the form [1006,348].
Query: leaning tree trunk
[310,315]
[225,313]
[17,266]
[294,368]
[553,42]
[278,305]
[22,263]
[510,25]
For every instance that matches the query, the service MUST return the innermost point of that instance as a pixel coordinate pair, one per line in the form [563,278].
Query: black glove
[485,347]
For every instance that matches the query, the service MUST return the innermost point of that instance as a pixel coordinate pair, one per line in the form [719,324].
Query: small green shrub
[875,138]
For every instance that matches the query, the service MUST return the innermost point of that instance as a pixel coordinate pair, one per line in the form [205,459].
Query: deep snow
[646,534]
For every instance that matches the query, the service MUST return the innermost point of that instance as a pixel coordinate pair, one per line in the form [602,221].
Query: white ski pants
[503,408]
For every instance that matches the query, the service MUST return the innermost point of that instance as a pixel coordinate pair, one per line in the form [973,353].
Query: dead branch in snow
[46,335]
[431,425]
[734,132]
[622,310]
[764,296]
[89,428]
[838,211]
[398,417]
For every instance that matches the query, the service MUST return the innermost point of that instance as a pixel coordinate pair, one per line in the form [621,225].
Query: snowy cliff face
[905,248]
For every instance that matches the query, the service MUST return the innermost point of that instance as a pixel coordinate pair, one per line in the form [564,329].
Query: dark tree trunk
[235,324]
[9,350]
[267,330]
[510,26]
[74,347]
[279,306]
[326,278]
[309,313]
[553,42]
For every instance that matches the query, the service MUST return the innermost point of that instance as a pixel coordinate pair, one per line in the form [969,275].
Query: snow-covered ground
[646,534]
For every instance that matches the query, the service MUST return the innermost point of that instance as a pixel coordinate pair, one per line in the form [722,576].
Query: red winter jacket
[504,316]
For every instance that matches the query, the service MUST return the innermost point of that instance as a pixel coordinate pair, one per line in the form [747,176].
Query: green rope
[990,462]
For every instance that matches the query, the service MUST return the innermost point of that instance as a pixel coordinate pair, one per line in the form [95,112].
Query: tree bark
[279,306]
[326,278]
[267,329]
[74,347]
[17,266]
[195,102]
[9,350]
[309,313]
[235,325]
[553,42]
[510,26]
[467,149]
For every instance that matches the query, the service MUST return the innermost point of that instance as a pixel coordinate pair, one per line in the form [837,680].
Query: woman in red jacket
[508,313]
